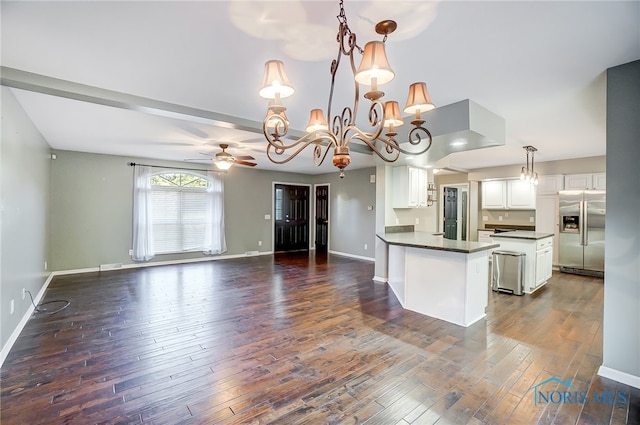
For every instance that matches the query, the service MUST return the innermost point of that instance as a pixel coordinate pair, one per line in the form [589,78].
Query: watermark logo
[565,393]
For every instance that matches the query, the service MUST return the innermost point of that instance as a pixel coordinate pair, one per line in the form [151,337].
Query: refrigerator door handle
[585,226]
[581,222]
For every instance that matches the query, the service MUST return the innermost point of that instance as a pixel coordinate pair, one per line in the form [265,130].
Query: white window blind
[179,218]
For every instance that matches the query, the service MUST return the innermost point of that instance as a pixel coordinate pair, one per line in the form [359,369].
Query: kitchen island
[538,249]
[438,277]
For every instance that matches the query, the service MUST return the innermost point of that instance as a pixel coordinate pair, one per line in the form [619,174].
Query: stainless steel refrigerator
[581,236]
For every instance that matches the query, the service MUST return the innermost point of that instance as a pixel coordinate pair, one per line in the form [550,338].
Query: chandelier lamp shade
[383,117]
[528,173]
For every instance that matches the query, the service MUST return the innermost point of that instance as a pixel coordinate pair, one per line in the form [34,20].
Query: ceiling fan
[224,160]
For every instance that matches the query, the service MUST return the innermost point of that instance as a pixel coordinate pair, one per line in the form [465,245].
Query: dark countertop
[488,226]
[428,240]
[522,234]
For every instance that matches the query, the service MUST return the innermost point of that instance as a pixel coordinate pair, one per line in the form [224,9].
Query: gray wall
[621,351]
[92,210]
[351,224]
[24,200]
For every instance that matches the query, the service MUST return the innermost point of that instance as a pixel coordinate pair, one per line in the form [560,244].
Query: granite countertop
[522,234]
[435,241]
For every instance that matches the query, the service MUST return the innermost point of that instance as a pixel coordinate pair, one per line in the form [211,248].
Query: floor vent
[250,253]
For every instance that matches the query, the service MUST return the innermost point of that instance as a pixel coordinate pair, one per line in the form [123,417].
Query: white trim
[25,318]
[616,375]
[160,263]
[380,279]
[358,257]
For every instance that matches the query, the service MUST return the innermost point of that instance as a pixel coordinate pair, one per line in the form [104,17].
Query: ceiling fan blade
[249,164]
[245,158]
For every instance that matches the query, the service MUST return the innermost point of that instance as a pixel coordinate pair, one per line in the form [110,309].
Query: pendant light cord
[39,309]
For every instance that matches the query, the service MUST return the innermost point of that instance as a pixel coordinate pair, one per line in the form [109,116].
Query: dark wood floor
[294,339]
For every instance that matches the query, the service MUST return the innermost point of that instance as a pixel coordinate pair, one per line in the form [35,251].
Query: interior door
[322,219]
[450,213]
[291,204]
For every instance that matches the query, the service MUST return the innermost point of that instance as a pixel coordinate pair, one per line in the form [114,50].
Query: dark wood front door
[450,213]
[322,219]
[291,218]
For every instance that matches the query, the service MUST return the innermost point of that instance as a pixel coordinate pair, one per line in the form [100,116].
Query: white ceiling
[540,65]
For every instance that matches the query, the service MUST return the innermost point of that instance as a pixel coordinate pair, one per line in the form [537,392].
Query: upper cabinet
[550,185]
[494,194]
[508,194]
[585,181]
[521,195]
[409,187]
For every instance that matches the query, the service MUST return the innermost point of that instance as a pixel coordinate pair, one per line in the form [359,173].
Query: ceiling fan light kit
[224,160]
[374,70]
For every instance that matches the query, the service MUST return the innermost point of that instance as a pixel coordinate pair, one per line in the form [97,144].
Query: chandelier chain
[344,27]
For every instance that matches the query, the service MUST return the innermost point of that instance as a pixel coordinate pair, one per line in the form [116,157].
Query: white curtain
[214,239]
[142,214]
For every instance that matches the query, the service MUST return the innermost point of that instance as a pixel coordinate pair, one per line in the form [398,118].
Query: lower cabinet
[538,259]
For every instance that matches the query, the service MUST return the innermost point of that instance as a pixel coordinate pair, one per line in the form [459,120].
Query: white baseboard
[380,279]
[358,257]
[25,318]
[162,263]
[616,375]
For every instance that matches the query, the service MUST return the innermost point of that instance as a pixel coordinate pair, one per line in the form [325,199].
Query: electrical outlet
[531,219]
[267,216]
[259,243]
[45,265]
[499,218]
[131,252]
[485,218]
[24,293]
[366,246]
[12,306]
[372,178]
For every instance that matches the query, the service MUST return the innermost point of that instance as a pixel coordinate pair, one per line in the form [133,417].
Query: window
[177,212]
[179,205]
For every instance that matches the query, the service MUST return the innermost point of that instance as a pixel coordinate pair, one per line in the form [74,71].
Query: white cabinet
[508,194]
[550,185]
[600,181]
[538,259]
[409,187]
[544,260]
[586,181]
[494,194]
[521,195]
[485,236]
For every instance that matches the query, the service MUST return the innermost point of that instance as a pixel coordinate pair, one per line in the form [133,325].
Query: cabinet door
[494,194]
[548,263]
[600,181]
[422,187]
[521,194]
[414,187]
[541,273]
[578,181]
[550,185]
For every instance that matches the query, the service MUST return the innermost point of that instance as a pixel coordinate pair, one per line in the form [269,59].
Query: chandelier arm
[376,120]
[391,155]
[356,97]
[279,147]
[317,154]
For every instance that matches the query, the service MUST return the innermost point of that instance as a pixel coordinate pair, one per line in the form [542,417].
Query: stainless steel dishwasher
[507,269]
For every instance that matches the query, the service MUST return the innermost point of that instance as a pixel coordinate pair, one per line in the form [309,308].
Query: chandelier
[526,173]
[383,117]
